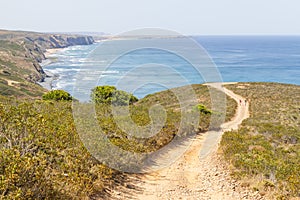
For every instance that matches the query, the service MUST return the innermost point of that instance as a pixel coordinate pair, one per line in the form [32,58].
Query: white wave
[110,72]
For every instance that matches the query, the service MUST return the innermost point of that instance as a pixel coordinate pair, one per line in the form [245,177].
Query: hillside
[264,153]
[20,56]
[42,156]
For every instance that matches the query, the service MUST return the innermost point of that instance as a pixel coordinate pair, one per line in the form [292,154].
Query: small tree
[57,95]
[103,94]
[203,109]
[110,95]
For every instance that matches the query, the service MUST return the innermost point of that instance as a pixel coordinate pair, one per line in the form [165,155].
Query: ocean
[145,66]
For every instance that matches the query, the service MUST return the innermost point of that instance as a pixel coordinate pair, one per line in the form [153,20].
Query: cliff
[60,41]
[21,54]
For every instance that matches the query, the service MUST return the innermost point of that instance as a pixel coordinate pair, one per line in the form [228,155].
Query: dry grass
[267,144]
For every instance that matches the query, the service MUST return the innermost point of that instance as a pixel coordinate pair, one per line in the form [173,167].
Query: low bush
[110,95]
[57,95]
[202,109]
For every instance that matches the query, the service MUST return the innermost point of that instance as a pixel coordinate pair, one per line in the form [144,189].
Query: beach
[49,52]
[47,83]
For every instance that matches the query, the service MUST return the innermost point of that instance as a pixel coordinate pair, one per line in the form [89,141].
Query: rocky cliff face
[60,41]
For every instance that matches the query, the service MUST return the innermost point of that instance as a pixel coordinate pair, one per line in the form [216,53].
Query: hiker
[245,102]
[240,102]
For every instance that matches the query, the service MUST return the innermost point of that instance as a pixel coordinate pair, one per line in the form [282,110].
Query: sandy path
[196,176]
[12,83]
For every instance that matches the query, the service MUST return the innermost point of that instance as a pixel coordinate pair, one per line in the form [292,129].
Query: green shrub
[57,95]
[122,98]
[203,109]
[110,95]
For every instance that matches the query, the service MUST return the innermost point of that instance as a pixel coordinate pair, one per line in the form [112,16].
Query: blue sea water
[236,58]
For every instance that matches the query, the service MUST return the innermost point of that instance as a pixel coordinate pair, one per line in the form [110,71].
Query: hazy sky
[184,16]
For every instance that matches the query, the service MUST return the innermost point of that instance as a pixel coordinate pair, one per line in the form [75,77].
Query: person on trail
[240,102]
[245,102]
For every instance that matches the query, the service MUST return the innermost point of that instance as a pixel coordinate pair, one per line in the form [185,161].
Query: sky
[191,17]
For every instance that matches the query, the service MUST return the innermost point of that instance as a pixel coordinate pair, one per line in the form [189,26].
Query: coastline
[47,83]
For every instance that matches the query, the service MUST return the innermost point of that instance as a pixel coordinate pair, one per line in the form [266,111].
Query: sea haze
[238,59]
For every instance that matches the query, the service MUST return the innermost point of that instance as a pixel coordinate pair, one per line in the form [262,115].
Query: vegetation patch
[202,109]
[57,95]
[267,145]
[110,95]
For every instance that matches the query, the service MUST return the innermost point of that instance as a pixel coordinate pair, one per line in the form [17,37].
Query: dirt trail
[196,176]
[12,83]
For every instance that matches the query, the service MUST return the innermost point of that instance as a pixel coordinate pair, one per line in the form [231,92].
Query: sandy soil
[12,83]
[194,176]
